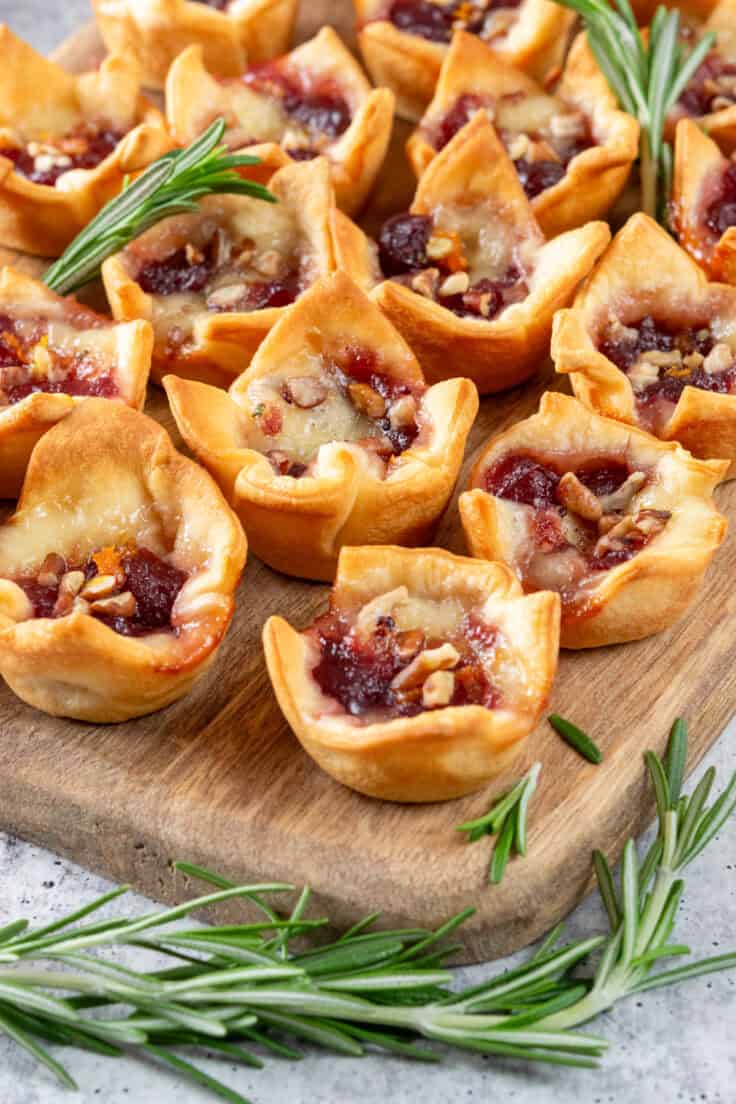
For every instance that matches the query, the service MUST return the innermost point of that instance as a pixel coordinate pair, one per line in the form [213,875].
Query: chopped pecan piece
[425,283]
[52,569]
[621,498]
[438,690]
[268,263]
[305,391]
[99,586]
[366,400]
[409,644]
[578,498]
[225,298]
[456,284]
[119,605]
[426,663]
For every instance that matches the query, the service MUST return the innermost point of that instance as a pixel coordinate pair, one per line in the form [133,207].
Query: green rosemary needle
[647,73]
[245,992]
[172,185]
[576,738]
[506,819]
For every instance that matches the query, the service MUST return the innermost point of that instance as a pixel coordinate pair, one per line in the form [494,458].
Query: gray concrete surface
[678,1045]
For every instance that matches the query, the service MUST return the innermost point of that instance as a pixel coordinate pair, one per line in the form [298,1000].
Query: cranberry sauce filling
[431,262]
[29,365]
[721,213]
[675,359]
[536,170]
[437,21]
[597,494]
[82,148]
[712,87]
[315,104]
[360,670]
[390,404]
[133,591]
[191,270]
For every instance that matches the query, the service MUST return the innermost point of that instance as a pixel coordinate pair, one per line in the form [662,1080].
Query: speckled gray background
[678,1045]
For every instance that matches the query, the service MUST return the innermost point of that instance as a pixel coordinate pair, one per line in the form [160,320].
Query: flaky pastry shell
[40,101]
[298,525]
[194,97]
[644,272]
[216,345]
[698,171]
[594,178]
[644,594]
[440,753]
[156,31]
[497,353]
[109,475]
[123,352]
[410,65]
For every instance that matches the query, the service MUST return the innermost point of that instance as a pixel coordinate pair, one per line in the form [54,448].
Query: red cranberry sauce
[66,374]
[188,270]
[357,670]
[362,366]
[459,115]
[689,348]
[403,254]
[153,584]
[537,176]
[710,88]
[314,103]
[721,213]
[531,481]
[437,21]
[82,148]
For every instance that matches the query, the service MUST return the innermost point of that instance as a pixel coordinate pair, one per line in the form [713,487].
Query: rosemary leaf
[576,738]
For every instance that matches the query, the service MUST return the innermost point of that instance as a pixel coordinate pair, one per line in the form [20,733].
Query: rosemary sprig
[506,819]
[647,73]
[576,738]
[239,987]
[172,185]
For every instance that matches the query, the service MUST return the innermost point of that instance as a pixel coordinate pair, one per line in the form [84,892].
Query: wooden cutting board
[218,779]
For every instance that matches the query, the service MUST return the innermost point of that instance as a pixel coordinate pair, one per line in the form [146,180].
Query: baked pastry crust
[215,344]
[345,492]
[156,31]
[645,273]
[122,354]
[698,174]
[440,753]
[127,483]
[41,102]
[410,65]
[259,125]
[593,178]
[642,595]
[474,173]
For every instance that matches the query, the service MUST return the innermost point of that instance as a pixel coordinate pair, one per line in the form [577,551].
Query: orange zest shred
[108,560]
[455,261]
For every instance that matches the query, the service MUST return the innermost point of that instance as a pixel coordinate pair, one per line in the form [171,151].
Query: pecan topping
[305,391]
[52,568]
[578,498]
[425,283]
[99,586]
[366,400]
[438,690]
[456,284]
[409,644]
[224,298]
[119,605]
[426,663]
[621,498]
[268,263]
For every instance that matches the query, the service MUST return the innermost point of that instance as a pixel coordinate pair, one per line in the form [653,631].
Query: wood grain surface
[218,779]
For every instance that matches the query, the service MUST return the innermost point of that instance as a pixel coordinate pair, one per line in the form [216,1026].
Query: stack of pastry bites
[326,381]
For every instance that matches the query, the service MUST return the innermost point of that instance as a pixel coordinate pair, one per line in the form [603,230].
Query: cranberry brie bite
[704,201]
[471,283]
[710,95]
[621,525]
[331,437]
[572,150]
[315,100]
[404,42]
[650,342]
[117,572]
[67,143]
[230,32]
[54,354]
[214,282]
[422,680]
